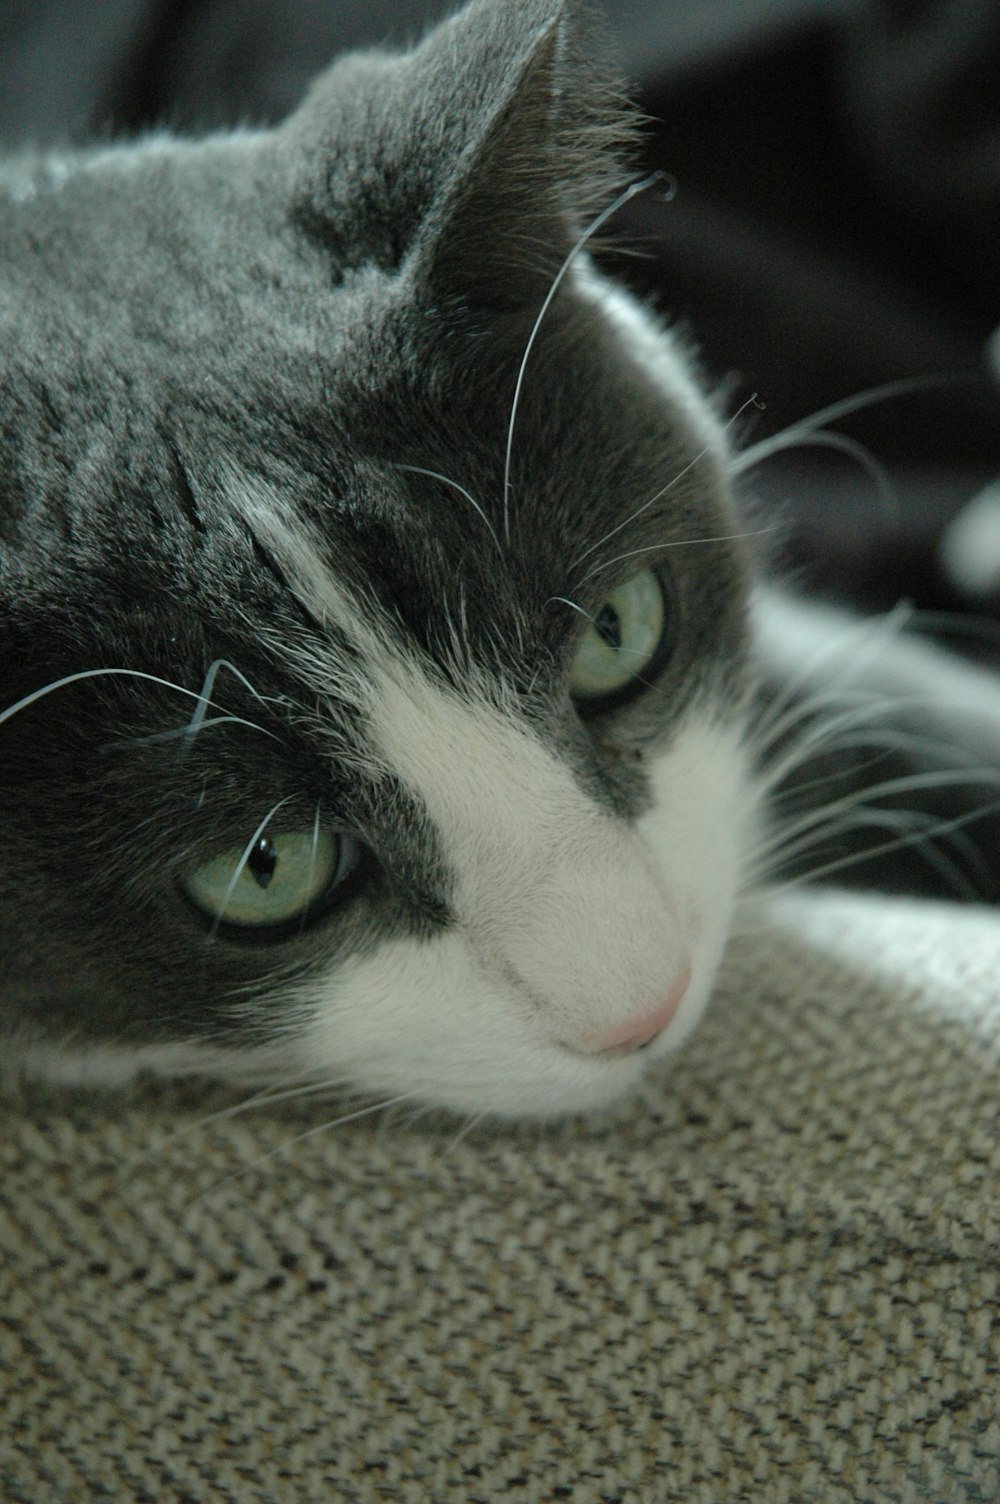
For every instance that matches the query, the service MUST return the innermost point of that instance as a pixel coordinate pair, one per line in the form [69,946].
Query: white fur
[568,922]
[657,351]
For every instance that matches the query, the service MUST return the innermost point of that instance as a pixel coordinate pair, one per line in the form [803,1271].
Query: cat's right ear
[472,161]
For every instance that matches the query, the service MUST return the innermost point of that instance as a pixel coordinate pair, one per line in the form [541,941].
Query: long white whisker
[565,601]
[947,623]
[348,1117]
[94,673]
[790,835]
[880,748]
[622,199]
[776,719]
[945,827]
[593,547]
[237,871]
[872,633]
[905,784]
[267,1096]
[185,731]
[676,543]
[915,827]
[821,825]
[852,726]
[904,387]
[807,438]
[447,481]
[884,741]
[207,686]
[821,735]
[472,1122]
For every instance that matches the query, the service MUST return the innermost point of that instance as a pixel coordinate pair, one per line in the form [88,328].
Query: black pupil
[609,626]
[262,861]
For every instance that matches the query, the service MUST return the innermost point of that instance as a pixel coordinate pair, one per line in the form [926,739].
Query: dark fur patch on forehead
[224,366]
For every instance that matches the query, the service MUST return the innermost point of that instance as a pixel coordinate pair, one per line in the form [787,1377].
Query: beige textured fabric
[773,1278]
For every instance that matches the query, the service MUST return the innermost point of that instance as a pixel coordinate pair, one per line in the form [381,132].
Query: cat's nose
[641,1027]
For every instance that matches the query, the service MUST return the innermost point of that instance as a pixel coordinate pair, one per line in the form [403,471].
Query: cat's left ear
[475,159]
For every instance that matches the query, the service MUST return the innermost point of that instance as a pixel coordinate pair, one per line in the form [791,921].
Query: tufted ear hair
[473,159]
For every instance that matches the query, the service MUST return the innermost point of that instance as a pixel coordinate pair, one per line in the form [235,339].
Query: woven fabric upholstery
[773,1277]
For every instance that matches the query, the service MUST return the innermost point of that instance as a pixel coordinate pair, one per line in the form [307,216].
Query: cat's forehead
[351,316]
[170,311]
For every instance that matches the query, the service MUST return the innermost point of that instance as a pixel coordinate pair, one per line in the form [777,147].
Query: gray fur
[318,315]
[305,309]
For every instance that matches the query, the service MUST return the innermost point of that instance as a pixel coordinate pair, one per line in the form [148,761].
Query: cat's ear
[474,159]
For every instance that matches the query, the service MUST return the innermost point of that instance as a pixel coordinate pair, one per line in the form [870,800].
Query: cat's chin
[530,1079]
[504,1063]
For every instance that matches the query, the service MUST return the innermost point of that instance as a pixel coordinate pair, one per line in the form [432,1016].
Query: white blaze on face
[568,924]
[553,893]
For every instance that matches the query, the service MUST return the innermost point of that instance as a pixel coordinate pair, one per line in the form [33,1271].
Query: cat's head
[381,703]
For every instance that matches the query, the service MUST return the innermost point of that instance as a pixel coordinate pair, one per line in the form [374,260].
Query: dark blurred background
[836,224]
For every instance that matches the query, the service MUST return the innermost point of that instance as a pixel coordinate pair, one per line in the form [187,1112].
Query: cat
[381,647]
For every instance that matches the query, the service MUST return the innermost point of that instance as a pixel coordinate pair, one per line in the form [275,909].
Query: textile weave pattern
[773,1276]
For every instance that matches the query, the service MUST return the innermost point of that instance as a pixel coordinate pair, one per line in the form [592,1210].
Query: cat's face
[407,764]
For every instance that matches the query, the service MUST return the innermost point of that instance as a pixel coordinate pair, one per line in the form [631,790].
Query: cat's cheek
[433,1019]
[421,1018]
[700,831]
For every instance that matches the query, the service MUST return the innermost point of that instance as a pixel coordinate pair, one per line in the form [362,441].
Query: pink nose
[642,1027]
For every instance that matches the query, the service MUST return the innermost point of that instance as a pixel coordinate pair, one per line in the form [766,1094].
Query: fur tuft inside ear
[475,158]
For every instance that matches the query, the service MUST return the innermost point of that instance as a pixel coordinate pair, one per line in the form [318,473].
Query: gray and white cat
[376,627]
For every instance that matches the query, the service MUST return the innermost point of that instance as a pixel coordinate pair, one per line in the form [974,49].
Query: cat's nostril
[641,1028]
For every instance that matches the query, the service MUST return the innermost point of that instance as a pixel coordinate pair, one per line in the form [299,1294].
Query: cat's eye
[274,881]
[624,642]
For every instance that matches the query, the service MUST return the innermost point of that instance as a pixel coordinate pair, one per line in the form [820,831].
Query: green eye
[277,878]
[623,639]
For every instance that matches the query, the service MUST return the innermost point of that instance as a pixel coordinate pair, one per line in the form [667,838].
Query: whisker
[418,1114]
[944,827]
[565,601]
[798,836]
[798,791]
[873,634]
[676,543]
[185,731]
[593,547]
[467,1127]
[914,828]
[805,716]
[267,1096]
[94,673]
[237,871]
[446,480]
[825,734]
[197,722]
[903,387]
[300,1138]
[905,784]
[208,685]
[948,623]
[852,727]
[806,438]
[622,199]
